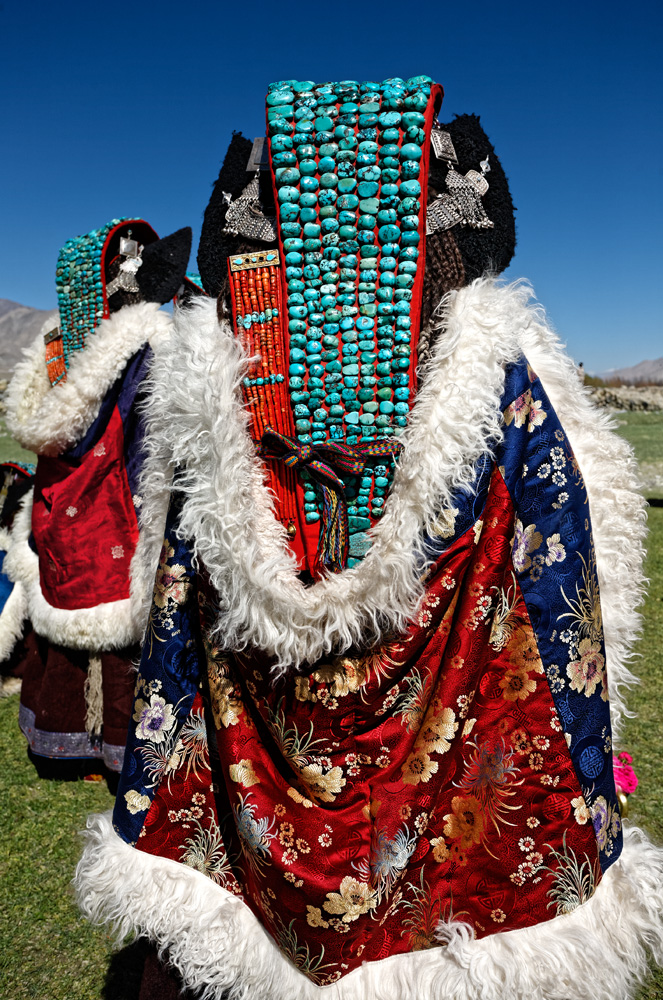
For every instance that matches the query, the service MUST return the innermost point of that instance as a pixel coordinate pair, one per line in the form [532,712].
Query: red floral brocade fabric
[356,807]
[84,524]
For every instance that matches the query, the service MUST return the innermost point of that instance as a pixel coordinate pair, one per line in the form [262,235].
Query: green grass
[644,431]
[48,951]
[10,451]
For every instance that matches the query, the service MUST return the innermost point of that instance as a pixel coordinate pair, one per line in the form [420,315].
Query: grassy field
[48,951]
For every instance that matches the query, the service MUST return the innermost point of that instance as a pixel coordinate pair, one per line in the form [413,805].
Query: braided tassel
[334,536]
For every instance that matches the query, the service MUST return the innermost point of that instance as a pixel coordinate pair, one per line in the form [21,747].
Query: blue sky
[128,109]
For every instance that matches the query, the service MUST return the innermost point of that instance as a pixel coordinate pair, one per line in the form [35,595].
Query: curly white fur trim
[228,511]
[49,419]
[106,626]
[213,939]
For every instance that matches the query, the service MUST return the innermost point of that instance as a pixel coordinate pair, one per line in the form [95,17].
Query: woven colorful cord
[322,461]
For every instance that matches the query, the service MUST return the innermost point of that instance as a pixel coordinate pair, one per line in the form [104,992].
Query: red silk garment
[84,524]
[358,806]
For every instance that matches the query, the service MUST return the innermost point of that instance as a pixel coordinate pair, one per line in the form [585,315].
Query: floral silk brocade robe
[460,771]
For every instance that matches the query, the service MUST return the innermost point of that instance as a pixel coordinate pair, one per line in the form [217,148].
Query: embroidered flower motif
[536,762]
[440,850]
[588,672]
[243,773]
[606,822]
[526,844]
[533,822]
[536,415]
[499,916]
[171,583]
[137,501]
[99,450]
[516,413]
[323,786]
[437,732]
[540,742]
[314,917]
[468,727]
[418,767]
[71,511]
[580,810]
[516,684]
[465,823]
[155,719]
[136,802]
[444,524]
[556,551]
[325,840]
[456,662]
[525,541]
[353,899]
[299,798]
[117,552]
[520,741]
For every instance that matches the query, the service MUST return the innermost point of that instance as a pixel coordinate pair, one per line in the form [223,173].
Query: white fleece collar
[195,415]
[50,419]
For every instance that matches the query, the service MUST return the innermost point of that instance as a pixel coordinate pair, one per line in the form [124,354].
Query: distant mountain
[646,371]
[19,326]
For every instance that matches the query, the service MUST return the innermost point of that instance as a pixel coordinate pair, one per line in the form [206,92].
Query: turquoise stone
[385,407]
[348,201]
[357,524]
[366,419]
[323,124]
[304,151]
[311,229]
[279,126]
[281,142]
[370,407]
[352,418]
[388,233]
[303,114]
[312,516]
[308,166]
[402,408]
[410,151]
[391,149]
[412,118]
[346,185]
[359,544]
[389,119]
[277,97]
[308,184]
[415,101]
[401,394]
[301,86]
[369,206]
[369,174]
[287,194]
[369,108]
[326,164]
[329,149]
[410,239]
[285,159]
[348,108]
[367,189]
[326,198]
[410,170]
[328,180]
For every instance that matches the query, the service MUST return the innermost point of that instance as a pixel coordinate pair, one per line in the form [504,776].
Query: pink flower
[625,777]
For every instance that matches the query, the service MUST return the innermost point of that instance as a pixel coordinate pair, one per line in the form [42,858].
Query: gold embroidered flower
[171,583]
[314,917]
[353,899]
[465,823]
[437,732]
[136,802]
[243,773]
[516,684]
[418,767]
[580,811]
[440,850]
[321,785]
[589,671]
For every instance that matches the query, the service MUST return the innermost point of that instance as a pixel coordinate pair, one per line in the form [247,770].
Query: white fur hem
[600,950]
[105,626]
[49,419]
